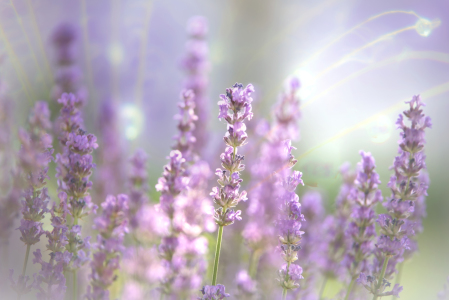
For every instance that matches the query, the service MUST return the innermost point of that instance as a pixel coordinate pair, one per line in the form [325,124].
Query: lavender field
[251,149]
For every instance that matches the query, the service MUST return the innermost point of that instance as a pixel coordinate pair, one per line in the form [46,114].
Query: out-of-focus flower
[111,225]
[213,292]
[196,65]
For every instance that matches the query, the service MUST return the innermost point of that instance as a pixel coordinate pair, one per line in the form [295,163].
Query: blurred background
[358,61]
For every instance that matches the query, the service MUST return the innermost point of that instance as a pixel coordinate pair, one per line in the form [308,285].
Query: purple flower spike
[213,292]
[245,284]
[112,226]
[227,195]
[68,74]
[138,187]
[409,188]
[196,65]
[34,157]
[74,163]
[185,140]
[361,230]
[51,275]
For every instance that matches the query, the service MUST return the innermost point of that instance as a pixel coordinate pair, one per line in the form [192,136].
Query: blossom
[361,230]
[185,140]
[51,274]
[197,66]
[138,187]
[245,284]
[213,292]
[407,186]
[68,74]
[112,226]
[227,194]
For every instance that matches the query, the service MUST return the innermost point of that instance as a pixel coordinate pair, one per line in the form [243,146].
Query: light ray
[319,52]
[21,74]
[427,95]
[372,43]
[309,15]
[39,39]
[424,55]
[142,54]
[27,40]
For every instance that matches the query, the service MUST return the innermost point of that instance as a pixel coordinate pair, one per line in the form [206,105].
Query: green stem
[398,277]
[254,262]
[75,221]
[349,290]
[75,285]
[217,254]
[284,294]
[25,262]
[381,277]
[323,287]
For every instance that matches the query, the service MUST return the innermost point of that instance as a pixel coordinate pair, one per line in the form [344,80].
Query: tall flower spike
[234,108]
[309,258]
[138,187]
[194,205]
[365,195]
[74,166]
[335,241]
[289,231]
[51,275]
[110,175]
[185,140]
[112,226]
[34,156]
[68,74]
[172,183]
[409,187]
[274,158]
[196,65]
[9,202]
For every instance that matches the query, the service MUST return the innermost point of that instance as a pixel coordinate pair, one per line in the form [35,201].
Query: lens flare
[131,119]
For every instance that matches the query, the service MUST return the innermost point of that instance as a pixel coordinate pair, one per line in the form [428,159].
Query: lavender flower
[138,187]
[226,196]
[74,163]
[33,159]
[111,225]
[335,241]
[290,234]
[196,65]
[74,166]
[395,227]
[185,140]
[22,286]
[51,274]
[313,211]
[68,74]
[361,230]
[192,206]
[234,108]
[213,292]
[246,286]
[110,175]
[171,185]
[444,293]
